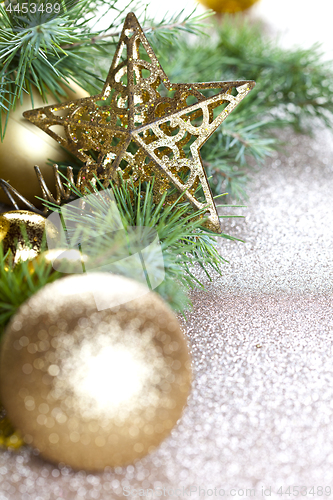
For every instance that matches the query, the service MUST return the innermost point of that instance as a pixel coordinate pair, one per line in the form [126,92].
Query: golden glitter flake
[144,125]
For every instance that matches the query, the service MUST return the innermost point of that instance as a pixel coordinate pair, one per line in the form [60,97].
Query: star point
[144,125]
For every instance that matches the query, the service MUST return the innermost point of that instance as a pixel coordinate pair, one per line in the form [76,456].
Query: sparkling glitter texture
[94,388]
[260,411]
[143,125]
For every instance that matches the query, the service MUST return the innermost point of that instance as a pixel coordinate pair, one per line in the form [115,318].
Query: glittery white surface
[261,409]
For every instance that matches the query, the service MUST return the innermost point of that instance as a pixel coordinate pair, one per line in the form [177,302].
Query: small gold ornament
[17,229]
[25,146]
[94,388]
[9,438]
[143,125]
[228,6]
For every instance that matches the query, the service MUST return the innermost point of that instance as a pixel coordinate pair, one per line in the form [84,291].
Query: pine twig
[95,39]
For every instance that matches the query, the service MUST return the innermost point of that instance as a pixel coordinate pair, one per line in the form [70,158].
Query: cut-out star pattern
[144,125]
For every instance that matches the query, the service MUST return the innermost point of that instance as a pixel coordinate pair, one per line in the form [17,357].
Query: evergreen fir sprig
[19,282]
[44,49]
[167,31]
[185,242]
[293,88]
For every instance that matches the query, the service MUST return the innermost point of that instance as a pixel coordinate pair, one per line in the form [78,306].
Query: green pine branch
[18,283]
[293,88]
[44,49]
[185,243]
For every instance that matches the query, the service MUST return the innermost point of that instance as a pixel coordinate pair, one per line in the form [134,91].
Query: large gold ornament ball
[228,6]
[94,388]
[22,232]
[25,145]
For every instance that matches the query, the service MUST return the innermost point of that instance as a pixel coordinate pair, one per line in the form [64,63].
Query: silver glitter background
[261,409]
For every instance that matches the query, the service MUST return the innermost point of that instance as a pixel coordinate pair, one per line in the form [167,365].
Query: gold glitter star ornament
[144,125]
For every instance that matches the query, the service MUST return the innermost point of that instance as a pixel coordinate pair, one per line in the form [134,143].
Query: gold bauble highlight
[25,145]
[228,6]
[64,260]
[94,388]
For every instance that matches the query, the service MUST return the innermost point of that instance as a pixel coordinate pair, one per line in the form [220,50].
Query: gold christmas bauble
[14,225]
[25,145]
[94,388]
[228,6]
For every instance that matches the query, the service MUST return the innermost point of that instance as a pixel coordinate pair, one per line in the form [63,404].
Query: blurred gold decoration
[94,388]
[144,125]
[25,145]
[9,438]
[22,232]
[228,6]
[62,259]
